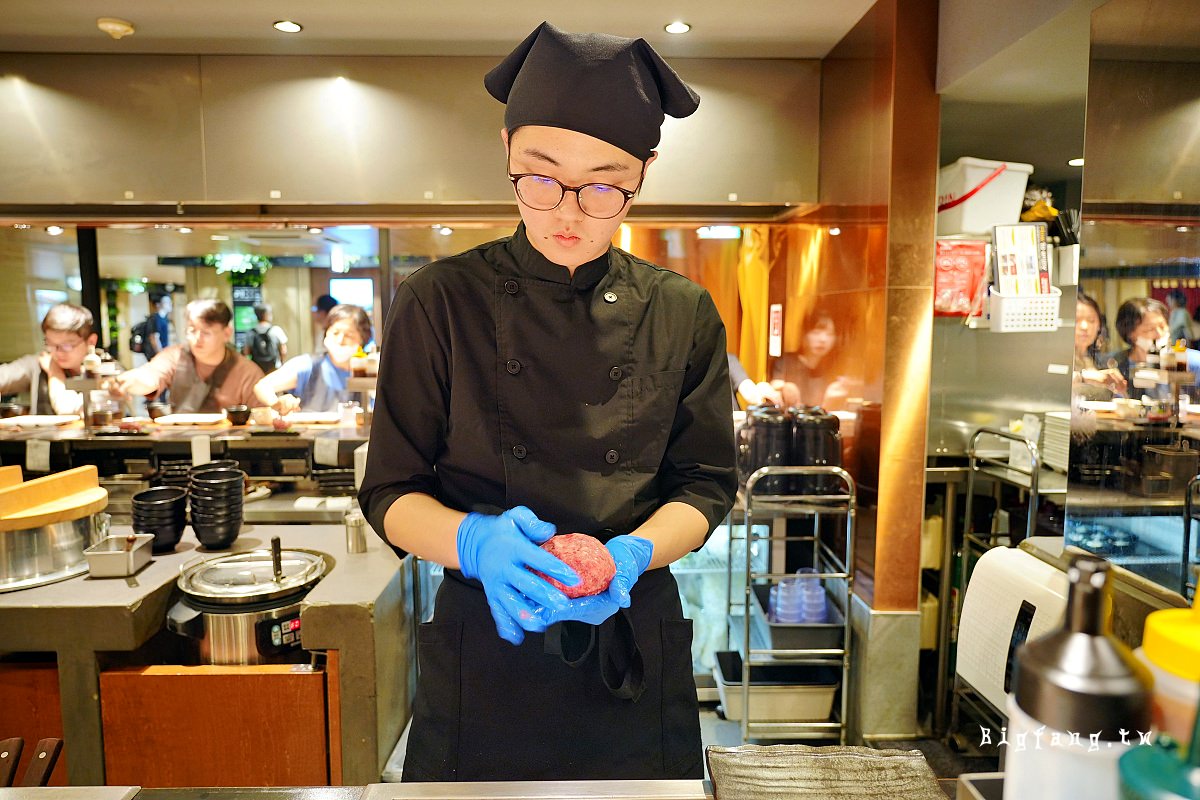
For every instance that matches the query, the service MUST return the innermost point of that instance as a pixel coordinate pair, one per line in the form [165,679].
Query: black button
[513,366]
[511,287]
[615,373]
[612,456]
[610,297]
[519,451]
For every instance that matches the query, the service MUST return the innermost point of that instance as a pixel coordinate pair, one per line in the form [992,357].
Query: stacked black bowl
[162,513]
[216,500]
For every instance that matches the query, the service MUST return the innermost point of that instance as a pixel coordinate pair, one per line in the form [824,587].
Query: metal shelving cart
[1036,481]
[834,567]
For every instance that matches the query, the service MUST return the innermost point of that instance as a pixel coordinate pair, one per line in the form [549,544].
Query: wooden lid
[61,497]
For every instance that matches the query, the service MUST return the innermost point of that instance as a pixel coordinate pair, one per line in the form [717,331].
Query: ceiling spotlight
[22,226]
[116,28]
[444,231]
[1075,162]
[184,229]
[835,231]
[287,26]
[158,226]
[54,230]
[219,237]
[1182,229]
[315,230]
[678,26]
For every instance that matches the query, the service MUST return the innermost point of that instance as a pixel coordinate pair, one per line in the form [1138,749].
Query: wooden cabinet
[30,708]
[171,726]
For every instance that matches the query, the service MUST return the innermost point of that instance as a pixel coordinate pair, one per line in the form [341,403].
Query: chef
[543,383]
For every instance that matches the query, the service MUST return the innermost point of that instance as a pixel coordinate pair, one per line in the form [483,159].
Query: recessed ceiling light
[1182,229]
[219,237]
[1075,162]
[184,229]
[158,226]
[678,26]
[287,26]
[54,230]
[22,226]
[116,28]
[835,231]
[315,230]
[444,231]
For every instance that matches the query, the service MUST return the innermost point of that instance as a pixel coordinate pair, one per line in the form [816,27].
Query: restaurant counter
[358,609]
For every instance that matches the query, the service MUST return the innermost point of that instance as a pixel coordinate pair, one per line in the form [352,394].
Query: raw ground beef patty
[588,557]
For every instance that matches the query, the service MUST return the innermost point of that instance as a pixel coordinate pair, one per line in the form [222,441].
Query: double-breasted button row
[616,373]
[513,366]
[519,451]
[612,456]
[511,287]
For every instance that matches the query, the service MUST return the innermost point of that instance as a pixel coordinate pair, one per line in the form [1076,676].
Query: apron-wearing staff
[549,382]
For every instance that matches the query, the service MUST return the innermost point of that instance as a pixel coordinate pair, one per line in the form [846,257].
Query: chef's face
[565,235]
[207,340]
[1087,326]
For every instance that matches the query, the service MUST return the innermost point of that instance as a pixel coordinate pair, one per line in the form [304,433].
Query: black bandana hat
[615,89]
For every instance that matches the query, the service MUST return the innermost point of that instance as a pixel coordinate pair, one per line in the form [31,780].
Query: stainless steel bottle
[1080,699]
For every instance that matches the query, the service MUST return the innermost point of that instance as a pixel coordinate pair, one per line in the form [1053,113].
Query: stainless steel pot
[37,556]
[244,608]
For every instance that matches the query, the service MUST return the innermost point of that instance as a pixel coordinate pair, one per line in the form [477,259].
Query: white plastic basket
[1026,312]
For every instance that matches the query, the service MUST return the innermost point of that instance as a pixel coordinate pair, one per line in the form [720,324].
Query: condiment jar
[1080,699]
[1171,649]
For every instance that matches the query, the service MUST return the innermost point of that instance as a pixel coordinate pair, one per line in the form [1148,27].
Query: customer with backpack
[267,343]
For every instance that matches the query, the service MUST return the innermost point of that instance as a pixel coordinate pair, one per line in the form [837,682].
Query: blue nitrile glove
[592,609]
[632,554]
[499,551]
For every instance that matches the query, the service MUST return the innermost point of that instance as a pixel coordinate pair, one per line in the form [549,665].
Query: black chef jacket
[593,399]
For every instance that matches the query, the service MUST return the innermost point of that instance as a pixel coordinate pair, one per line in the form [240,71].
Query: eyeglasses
[62,348]
[597,200]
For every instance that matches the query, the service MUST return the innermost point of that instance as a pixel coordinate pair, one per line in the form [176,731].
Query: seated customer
[67,332]
[205,374]
[319,380]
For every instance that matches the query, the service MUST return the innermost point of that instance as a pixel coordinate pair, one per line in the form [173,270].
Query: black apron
[189,393]
[590,703]
[567,399]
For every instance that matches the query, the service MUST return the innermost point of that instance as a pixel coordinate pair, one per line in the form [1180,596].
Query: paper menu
[1022,259]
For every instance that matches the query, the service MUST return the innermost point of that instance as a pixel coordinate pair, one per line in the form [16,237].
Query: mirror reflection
[1136,406]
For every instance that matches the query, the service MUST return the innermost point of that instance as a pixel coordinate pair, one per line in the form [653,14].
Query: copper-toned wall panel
[902,457]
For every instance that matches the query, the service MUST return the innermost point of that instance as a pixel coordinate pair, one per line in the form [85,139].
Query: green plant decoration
[242,269]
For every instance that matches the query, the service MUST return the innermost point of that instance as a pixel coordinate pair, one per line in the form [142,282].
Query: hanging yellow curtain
[753,279]
[801,281]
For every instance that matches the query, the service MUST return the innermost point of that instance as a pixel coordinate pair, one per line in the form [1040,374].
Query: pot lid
[250,577]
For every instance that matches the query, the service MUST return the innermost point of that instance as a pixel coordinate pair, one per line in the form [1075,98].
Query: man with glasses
[204,374]
[546,383]
[67,334]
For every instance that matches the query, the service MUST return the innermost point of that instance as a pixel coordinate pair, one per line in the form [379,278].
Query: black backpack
[139,336]
[264,351]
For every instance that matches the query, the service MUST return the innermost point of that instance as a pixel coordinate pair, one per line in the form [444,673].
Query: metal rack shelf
[833,567]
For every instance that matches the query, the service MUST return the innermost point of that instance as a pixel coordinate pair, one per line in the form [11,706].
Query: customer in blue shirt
[317,382]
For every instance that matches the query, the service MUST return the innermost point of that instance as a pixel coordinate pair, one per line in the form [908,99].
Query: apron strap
[621,663]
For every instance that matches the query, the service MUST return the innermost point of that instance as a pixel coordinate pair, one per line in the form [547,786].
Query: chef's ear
[504,138]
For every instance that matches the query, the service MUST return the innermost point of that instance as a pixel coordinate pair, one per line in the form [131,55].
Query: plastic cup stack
[798,600]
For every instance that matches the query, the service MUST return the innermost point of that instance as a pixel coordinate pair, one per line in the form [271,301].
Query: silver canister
[356,531]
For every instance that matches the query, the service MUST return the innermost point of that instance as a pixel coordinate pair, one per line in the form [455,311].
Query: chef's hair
[210,312]
[355,314]
[68,318]
[1130,314]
